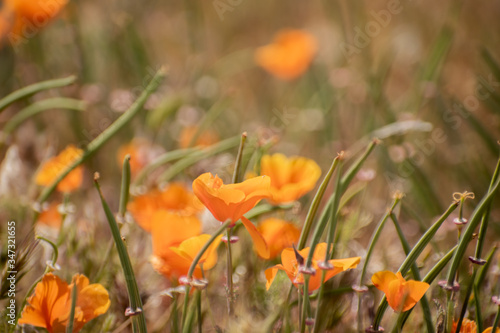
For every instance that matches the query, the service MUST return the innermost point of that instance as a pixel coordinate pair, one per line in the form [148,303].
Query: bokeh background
[422,76]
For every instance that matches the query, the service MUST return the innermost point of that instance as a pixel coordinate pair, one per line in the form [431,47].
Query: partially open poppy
[55,166]
[291,267]
[289,55]
[230,202]
[291,178]
[401,295]
[468,326]
[49,307]
[174,198]
[278,234]
[51,216]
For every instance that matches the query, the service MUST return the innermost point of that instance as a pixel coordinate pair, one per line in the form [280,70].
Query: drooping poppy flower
[401,295]
[49,307]
[53,168]
[468,326]
[205,138]
[230,202]
[174,198]
[51,216]
[291,178]
[278,234]
[176,241]
[29,16]
[291,267]
[289,55]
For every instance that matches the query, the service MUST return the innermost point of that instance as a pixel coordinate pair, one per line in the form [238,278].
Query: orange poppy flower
[49,307]
[205,139]
[291,178]
[278,234]
[290,54]
[176,241]
[291,267]
[51,216]
[52,168]
[468,326]
[230,202]
[490,329]
[401,295]
[174,198]
[31,16]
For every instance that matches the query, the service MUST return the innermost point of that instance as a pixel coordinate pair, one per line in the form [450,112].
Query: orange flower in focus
[176,241]
[291,178]
[401,295]
[54,167]
[468,326]
[30,15]
[291,267]
[174,198]
[230,202]
[290,54]
[278,234]
[49,307]
[51,216]
[204,139]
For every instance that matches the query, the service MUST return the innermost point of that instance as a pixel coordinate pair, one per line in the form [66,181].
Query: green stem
[305,304]
[136,308]
[125,188]
[229,274]
[74,295]
[33,89]
[104,137]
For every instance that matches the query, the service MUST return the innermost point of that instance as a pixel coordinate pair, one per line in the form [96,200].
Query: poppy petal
[258,241]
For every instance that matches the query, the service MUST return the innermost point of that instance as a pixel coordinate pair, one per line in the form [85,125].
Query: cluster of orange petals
[229,202]
[176,241]
[290,265]
[278,234]
[289,55]
[55,166]
[470,326]
[174,198]
[25,17]
[49,307]
[291,178]
[204,139]
[401,295]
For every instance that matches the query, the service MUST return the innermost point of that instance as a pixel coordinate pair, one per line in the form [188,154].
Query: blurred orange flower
[49,307]
[278,234]
[291,178]
[291,267]
[290,54]
[230,202]
[176,241]
[140,154]
[174,198]
[51,216]
[29,16]
[468,326]
[205,138]
[52,169]
[401,295]
[490,329]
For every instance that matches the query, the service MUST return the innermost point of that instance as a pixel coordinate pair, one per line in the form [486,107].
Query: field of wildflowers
[238,166]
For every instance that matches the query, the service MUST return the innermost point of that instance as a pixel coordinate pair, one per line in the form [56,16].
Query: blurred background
[422,76]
